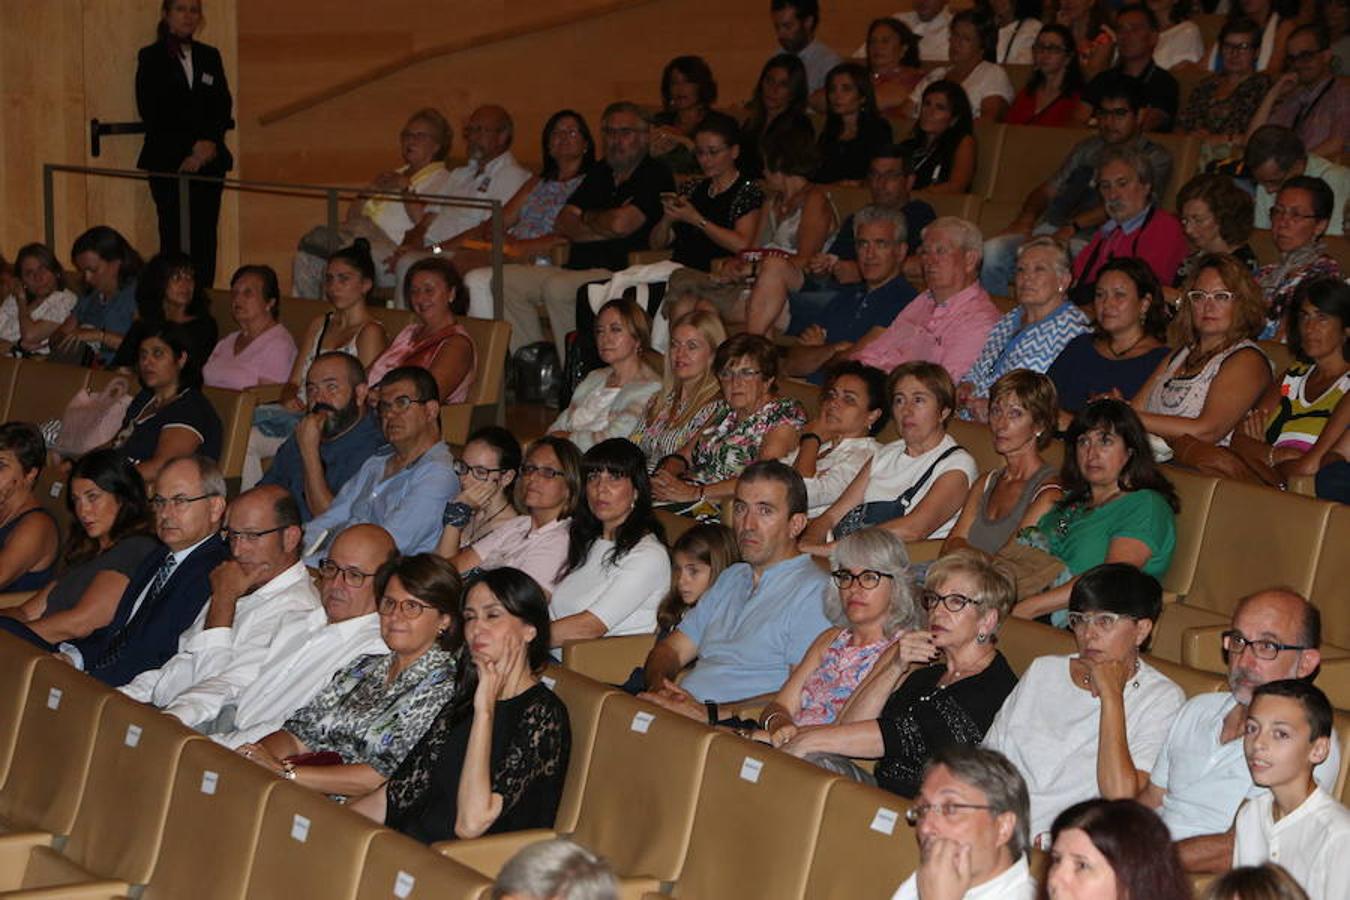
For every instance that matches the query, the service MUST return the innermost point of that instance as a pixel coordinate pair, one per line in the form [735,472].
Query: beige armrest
[1306,485]
[1202,648]
[14,598]
[266,393]
[923,551]
[489,853]
[560,254]
[15,852]
[609,660]
[646,257]
[1334,680]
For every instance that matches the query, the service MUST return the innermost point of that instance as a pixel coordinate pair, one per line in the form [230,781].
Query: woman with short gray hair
[933,688]
[872,606]
[555,870]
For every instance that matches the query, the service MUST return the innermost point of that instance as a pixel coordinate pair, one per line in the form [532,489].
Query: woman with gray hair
[1031,335]
[555,870]
[932,689]
[872,606]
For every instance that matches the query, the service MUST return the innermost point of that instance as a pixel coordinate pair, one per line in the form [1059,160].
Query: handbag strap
[917,486]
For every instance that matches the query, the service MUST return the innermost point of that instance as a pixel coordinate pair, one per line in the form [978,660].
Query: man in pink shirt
[948,323]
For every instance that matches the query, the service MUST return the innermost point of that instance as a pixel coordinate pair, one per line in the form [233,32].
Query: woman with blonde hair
[689,388]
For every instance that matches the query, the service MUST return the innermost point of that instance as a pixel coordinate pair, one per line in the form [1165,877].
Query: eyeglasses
[1301,56]
[867,578]
[953,602]
[1048,48]
[738,374]
[1237,47]
[1235,642]
[480,472]
[548,472]
[1284,212]
[1216,296]
[354,577]
[565,132]
[177,502]
[1196,220]
[248,537]
[408,609]
[1102,621]
[947,810]
[398,404]
[708,152]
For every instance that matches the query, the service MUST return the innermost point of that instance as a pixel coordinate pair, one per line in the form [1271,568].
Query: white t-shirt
[56,308]
[1013,883]
[1048,728]
[623,596]
[1206,781]
[1312,842]
[1015,40]
[836,466]
[894,472]
[985,80]
[934,35]
[1179,44]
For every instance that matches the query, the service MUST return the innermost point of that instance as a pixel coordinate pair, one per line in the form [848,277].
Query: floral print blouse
[364,720]
[726,448]
[661,435]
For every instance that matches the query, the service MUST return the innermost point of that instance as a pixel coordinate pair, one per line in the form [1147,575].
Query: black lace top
[531,742]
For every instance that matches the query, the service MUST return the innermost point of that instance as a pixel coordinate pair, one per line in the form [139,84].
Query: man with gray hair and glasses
[972,821]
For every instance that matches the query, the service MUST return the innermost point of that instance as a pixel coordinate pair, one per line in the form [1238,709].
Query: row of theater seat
[100,793]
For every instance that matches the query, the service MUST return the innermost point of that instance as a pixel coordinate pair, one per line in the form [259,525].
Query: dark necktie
[162,576]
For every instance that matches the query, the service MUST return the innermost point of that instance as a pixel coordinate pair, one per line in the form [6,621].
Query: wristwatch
[457,514]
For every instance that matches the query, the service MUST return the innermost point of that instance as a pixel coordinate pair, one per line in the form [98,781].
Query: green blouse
[1080,535]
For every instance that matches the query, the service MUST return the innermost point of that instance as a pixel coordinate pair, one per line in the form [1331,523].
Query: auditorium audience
[948,323]
[1159,93]
[1179,39]
[689,393]
[974,43]
[335,437]
[794,24]
[403,487]
[1053,94]
[1219,109]
[106,542]
[892,717]
[931,20]
[1309,97]
[971,827]
[355,732]
[109,267]
[1216,216]
[1216,373]
[610,401]
[872,607]
[487,468]
[494,759]
[38,305]
[617,569]
[1031,335]
[261,351]
[688,92]
[1089,21]
[840,439]
[893,62]
[1303,209]
[940,151]
[1091,724]
[548,489]
[1018,25]
[435,340]
[168,293]
[170,586]
[854,129]
[307,652]
[778,106]
[1130,319]
[254,593]
[30,541]
[737,645]
[1272,32]
[1273,155]
[913,487]
[170,417]
[1113,849]
[1022,422]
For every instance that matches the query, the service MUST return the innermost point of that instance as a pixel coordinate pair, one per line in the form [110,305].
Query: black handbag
[865,515]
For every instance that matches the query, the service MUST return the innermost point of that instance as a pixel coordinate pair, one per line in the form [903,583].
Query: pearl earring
[981,638]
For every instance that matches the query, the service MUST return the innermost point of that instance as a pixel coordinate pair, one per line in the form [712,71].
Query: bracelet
[712,711]
[809,434]
[457,514]
[768,719]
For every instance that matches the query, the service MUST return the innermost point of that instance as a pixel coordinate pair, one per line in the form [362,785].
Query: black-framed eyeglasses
[158,502]
[249,537]
[542,471]
[480,472]
[948,810]
[867,578]
[354,577]
[1236,642]
[408,608]
[953,602]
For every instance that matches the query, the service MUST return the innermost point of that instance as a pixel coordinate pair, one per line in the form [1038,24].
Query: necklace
[954,675]
[476,533]
[1120,354]
[1086,680]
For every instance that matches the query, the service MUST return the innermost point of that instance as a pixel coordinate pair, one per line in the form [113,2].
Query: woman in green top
[1117,506]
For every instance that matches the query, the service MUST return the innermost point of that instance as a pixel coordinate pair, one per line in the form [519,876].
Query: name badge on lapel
[208,79]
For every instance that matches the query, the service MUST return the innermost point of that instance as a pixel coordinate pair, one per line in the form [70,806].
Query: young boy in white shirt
[1296,823]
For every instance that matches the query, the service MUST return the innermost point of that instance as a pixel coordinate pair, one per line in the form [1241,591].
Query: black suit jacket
[175,115]
[128,646]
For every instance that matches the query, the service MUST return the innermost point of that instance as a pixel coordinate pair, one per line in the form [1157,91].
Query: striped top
[1298,421]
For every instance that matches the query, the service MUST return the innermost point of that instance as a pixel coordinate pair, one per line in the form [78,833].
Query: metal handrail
[333,193]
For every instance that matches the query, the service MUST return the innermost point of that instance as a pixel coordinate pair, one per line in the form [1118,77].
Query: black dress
[692,247]
[531,743]
[842,160]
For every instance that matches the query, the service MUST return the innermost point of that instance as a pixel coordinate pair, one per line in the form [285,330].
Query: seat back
[1330,590]
[9,371]
[804,392]
[51,753]
[1021,641]
[978,441]
[1279,354]
[755,829]
[963,206]
[490,340]
[1185,159]
[865,847]
[42,389]
[17,660]
[1024,163]
[1196,493]
[216,809]
[1193,681]
[648,759]
[584,699]
[235,409]
[398,866]
[309,848]
[848,200]
[126,798]
[989,141]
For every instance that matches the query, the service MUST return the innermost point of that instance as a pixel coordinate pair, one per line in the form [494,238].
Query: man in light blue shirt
[757,621]
[404,487]
[794,24]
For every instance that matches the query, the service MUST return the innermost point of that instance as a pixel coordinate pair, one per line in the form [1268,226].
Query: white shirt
[1312,842]
[894,472]
[305,655]
[1015,40]
[985,80]
[1013,883]
[538,552]
[57,307]
[185,60]
[214,665]
[1048,728]
[836,465]
[623,596]
[391,216]
[1179,44]
[1206,781]
[499,179]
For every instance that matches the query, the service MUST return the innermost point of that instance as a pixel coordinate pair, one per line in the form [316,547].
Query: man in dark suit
[171,586]
[184,101]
